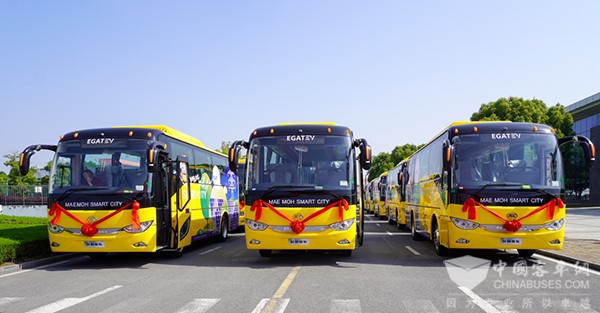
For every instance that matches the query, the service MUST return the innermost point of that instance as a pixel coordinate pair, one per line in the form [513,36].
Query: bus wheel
[177,253]
[224,231]
[265,253]
[413,228]
[526,253]
[97,255]
[439,249]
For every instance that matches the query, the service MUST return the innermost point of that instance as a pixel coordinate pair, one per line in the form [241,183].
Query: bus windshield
[118,166]
[510,159]
[324,162]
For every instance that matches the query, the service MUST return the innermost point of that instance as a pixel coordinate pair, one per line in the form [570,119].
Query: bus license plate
[510,241]
[93,244]
[297,242]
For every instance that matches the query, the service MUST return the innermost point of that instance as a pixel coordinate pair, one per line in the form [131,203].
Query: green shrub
[23,238]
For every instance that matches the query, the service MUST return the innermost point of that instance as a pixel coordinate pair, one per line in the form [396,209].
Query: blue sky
[395,72]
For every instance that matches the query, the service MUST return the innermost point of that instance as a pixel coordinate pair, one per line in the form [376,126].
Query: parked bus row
[481,185]
[151,188]
[476,185]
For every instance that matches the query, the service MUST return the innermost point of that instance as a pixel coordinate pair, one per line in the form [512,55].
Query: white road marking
[281,305]
[415,252]
[198,306]
[274,305]
[345,306]
[69,302]
[581,268]
[422,306]
[211,250]
[477,300]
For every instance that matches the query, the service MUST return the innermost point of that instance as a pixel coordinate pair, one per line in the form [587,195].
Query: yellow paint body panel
[120,242]
[324,240]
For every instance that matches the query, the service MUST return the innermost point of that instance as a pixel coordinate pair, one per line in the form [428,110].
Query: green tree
[520,110]
[224,147]
[381,163]
[14,176]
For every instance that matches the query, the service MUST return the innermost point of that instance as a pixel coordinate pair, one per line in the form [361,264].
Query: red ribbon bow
[89,229]
[470,204]
[298,226]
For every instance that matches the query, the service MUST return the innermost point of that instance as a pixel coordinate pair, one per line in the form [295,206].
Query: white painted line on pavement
[237,235]
[345,306]
[484,305]
[198,306]
[69,302]
[263,303]
[581,268]
[271,307]
[35,268]
[7,300]
[424,306]
[211,250]
[415,252]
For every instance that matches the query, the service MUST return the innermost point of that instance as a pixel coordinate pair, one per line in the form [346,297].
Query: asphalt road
[390,273]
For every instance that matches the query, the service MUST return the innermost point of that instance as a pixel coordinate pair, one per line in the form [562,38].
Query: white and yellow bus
[396,195]
[303,187]
[490,185]
[153,188]
[380,196]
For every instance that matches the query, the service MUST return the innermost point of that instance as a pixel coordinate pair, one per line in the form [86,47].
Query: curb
[568,259]
[37,263]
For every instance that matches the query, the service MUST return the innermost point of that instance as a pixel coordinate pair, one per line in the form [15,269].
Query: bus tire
[265,253]
[177,253]
[435,233]
[413,228]
[224,230]
[526,253]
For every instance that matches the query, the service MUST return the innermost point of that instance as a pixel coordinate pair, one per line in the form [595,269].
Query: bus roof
[171,132]
[309,128]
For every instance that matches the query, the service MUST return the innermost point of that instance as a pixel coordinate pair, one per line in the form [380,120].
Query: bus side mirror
[447,154]
[25,156]
[365,153]
[586,144]
[234,153]
[153,152]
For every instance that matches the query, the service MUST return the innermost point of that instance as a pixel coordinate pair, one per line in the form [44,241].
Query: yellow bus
[379,196]
[490,185]
[241,172]
[303,187]
[369,197]
[396,195]
[153,188]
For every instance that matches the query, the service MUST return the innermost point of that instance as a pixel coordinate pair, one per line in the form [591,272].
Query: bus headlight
[464,224]
[343,225]
[143,227]
[555,225]
[254,225]
[55,229]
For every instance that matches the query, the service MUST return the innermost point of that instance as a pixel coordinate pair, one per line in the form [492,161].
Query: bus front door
[180,198]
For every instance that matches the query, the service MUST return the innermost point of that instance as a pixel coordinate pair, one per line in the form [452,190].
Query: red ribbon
[511,225]
[298,226]
[89,229]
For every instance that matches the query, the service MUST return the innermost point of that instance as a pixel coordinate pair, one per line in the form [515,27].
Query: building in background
[585,189]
